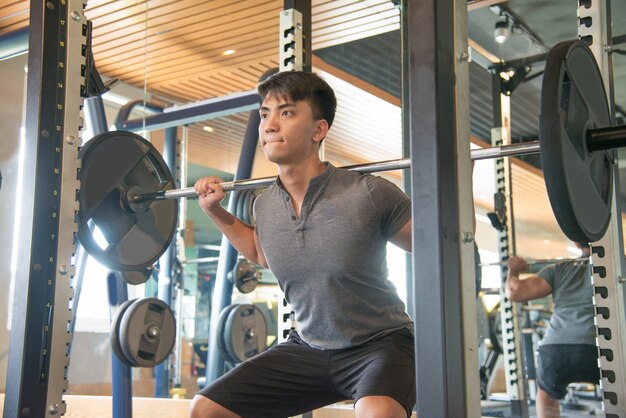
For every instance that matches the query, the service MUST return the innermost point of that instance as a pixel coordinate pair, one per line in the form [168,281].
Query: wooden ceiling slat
[356,9]
[354,35]
[135,11]
[151,56]
[171,21]
[356,18]
[198,28]
[113,11]
[123,28]
[12,8]
[12,26]
[14,15]
[356,26]
[189,69]
[321,7]
[206,43]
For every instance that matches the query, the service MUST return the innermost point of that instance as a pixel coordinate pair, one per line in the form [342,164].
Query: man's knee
[202,407]
[379,407]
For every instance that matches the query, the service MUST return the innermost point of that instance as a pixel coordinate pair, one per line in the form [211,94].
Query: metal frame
[194,112]
[294,55]
[511,344]
[41,338]
[607,254]
[167,275]
[443,273]
[181,175]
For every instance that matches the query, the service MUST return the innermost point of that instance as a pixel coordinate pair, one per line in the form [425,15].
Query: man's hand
[210,193]
[517,265]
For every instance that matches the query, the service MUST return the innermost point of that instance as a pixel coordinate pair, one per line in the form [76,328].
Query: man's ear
[321,129]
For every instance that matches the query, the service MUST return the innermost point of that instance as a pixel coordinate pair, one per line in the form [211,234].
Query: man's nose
[270,123]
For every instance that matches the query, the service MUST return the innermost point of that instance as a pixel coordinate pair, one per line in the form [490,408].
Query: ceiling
[173,52]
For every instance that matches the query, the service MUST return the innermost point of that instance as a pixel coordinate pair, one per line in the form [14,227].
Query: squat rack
[443,297]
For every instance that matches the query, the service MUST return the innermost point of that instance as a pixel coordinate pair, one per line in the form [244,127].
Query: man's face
[288,132]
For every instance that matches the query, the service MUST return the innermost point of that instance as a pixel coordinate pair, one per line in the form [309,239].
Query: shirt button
[287,198]
[293,218]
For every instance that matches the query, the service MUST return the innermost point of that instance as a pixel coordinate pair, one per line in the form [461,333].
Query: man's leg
[379,407]
[202,407]
[379,376]
[546,405]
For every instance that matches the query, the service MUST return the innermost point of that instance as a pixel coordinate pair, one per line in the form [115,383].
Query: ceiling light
[501,32]
[229,52]
[208,128]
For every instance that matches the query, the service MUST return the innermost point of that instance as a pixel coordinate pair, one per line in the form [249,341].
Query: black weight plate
[221,331]
[112,164]
[579,182]
[245,333]
[115,329]
[138,344]
[245,276]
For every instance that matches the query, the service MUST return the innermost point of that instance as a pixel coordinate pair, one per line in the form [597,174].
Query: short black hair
[302,86]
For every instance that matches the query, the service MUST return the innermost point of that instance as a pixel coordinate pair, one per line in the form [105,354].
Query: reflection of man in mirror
[568,351]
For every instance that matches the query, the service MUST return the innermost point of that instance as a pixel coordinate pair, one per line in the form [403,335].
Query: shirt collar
[316,181]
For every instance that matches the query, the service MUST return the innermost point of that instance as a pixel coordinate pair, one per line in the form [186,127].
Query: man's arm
[241,235]
[522,290]
[403,238]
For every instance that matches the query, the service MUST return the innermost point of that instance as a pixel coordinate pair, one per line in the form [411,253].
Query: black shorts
[293,378]
[558,365]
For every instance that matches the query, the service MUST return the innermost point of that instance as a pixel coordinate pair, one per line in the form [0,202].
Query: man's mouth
[272,141]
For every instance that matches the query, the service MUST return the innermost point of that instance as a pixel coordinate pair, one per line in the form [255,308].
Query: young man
[568,351]
[323,233]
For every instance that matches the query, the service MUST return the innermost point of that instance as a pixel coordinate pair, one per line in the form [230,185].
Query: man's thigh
[286,380]
[385,367]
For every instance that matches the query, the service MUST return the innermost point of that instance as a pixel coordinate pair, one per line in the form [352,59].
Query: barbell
[532,262]
[129,193]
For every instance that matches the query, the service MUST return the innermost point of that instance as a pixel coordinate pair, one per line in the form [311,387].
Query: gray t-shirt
[331,261]
[572,293]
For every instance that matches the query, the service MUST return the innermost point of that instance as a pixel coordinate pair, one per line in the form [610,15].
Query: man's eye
[286,112]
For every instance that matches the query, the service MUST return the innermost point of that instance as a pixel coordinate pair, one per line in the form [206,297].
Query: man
[323,233]
[568,351]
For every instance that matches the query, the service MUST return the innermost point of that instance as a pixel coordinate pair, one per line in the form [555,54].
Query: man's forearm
[512,285]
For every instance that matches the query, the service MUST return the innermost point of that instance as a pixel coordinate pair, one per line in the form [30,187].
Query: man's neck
[296,178]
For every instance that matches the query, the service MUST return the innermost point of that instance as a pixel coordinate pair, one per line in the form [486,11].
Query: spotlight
[501,32]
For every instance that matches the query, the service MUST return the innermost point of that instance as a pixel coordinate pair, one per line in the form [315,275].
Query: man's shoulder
[266,196]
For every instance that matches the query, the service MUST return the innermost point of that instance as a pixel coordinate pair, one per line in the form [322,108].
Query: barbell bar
[375,167]
[597,140]
[532,262]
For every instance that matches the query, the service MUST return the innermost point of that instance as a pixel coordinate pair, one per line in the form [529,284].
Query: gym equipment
[143,332]
[531,262]
[115,164]
[245,276]
[129,203]
[243,332]
[574,123]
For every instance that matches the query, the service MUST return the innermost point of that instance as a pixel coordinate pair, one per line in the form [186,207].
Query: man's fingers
[207,185]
